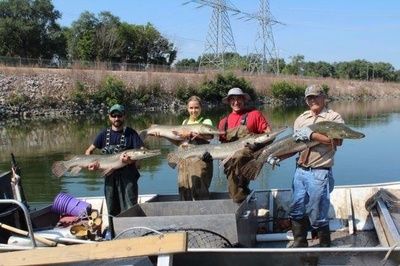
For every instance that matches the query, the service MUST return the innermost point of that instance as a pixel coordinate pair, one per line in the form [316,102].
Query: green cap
[117,108]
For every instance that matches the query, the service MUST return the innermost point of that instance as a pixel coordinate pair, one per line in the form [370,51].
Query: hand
[206,157]
[156,134]
[93,166]
[272,160]
[126,159]
[302,134]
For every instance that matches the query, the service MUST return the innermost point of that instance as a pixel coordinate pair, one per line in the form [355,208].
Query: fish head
[142,154]
[266,137]
[337,130]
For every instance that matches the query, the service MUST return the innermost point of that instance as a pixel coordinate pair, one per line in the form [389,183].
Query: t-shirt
[255,121]
[201,120]
[131,141]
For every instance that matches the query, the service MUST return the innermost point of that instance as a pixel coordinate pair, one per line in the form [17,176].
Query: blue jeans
[310,195]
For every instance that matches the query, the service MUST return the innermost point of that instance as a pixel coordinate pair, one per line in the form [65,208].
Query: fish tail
[58,168]
[252,169]
[172,159]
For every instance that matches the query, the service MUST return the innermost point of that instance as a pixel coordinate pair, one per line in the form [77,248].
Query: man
[239,123]
[120,187]
[313,180]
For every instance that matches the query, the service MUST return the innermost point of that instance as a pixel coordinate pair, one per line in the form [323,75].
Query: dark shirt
[132,141]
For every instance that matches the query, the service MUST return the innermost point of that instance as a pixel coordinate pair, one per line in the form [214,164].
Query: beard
[117,123]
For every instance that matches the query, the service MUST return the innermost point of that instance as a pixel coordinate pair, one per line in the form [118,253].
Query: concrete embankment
[47,92]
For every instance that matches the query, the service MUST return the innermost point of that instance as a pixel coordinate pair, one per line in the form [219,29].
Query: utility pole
[264,44]
[219,39]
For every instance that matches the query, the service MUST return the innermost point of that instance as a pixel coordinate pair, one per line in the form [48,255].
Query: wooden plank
[391,232]
[115,249]
[350,216]
[379,228]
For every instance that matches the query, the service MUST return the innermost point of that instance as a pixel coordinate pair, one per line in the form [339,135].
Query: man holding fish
[121,188]
[313,179]
[241,122]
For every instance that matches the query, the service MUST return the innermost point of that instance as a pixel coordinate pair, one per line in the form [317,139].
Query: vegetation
[29,29]
[283,90]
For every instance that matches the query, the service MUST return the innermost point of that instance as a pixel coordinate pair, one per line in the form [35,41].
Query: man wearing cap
[120,187]
[239,123]
[313,180]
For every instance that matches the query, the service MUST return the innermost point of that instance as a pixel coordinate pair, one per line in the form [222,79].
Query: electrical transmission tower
[219,39]
[264,44]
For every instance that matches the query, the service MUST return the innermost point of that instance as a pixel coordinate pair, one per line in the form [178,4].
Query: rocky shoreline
[36,93]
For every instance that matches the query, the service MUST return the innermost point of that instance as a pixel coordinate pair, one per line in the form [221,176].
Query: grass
[170,81]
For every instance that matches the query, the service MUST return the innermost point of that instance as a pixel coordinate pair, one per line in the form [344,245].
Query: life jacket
[110,149]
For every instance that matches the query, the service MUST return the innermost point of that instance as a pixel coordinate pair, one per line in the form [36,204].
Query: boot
[299,229]
[324,236]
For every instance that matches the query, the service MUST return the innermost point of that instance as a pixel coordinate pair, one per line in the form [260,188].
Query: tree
[28,29]
[143,44]
[296,66]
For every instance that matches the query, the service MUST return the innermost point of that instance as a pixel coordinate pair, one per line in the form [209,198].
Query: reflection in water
[37,144]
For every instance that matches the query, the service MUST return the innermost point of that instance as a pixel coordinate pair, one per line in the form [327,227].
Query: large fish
[219,151]
[172,133]
[289,145]
[107,163]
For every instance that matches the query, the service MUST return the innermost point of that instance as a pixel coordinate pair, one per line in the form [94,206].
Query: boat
[364,223]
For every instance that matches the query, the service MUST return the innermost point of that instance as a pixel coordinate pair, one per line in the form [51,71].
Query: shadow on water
[38,143]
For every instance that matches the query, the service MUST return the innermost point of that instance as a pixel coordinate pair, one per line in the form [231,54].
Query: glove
[207,157]
[302,134]
[272,160]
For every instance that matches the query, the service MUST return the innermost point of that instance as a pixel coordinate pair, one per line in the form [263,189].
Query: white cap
[236,92]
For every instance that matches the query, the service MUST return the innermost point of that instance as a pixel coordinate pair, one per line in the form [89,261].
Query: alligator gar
[172,133]
[288,145]
[219,151]
[107,163]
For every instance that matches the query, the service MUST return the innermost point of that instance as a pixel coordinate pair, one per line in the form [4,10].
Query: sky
[330,31]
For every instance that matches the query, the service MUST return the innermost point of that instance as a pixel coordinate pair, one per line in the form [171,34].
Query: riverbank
[37,92]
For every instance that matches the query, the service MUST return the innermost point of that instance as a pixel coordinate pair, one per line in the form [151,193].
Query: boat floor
[340,239]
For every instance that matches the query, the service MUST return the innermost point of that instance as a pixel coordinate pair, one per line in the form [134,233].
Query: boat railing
[27,219]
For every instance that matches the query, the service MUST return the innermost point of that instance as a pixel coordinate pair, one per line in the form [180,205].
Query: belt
[311,168]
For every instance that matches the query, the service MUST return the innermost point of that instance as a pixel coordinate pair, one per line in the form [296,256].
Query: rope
[385,259]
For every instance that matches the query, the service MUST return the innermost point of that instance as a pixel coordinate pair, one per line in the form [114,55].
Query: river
[37,144]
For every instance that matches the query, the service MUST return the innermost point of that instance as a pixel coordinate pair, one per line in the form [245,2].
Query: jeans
[310,195]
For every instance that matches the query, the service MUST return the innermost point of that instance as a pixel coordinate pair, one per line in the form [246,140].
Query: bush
[215,90]
[112,91]
[79,95]
[183,91]
[284,90]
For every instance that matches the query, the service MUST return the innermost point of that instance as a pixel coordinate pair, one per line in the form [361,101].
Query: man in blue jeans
[313,179]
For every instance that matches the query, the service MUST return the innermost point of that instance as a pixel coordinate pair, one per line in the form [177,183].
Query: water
[37,144]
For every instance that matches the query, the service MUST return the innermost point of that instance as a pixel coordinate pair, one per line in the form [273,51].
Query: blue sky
[331,31]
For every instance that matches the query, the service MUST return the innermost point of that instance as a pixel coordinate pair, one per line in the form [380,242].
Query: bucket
[68,205]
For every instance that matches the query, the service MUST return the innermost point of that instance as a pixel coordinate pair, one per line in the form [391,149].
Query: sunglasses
[116,115]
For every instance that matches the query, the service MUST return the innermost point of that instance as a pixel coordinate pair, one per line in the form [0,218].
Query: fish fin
[143,134]
[251,170]
[172,159]
[75,170]
[224,161]
[107,171]
[58,168]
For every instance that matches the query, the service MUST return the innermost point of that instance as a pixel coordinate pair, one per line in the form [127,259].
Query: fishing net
[197,238]
[388,198]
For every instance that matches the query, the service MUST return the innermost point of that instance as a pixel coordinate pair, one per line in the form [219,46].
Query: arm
[90,149]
